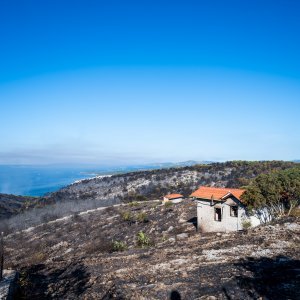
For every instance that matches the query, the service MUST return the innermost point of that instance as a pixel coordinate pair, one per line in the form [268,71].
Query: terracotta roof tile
[205,192]
[173,196]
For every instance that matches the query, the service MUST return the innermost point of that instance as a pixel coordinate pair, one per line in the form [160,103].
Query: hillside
[96,255]
[143,185]
[134,186]
[12,204]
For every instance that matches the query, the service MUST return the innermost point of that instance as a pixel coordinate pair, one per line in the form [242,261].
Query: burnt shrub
[99,245]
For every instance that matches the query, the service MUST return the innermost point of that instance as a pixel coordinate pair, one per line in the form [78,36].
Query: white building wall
[206,216]
[176,200]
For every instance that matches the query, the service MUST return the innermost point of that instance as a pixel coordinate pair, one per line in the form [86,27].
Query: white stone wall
[206,216]
[177,200]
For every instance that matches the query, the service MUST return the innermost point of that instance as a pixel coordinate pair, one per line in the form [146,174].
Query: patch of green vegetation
[246,224]
[142,217]
[277,192]
[295,212]
[168,204]
[143,240]
[133,203]
[118,246]
[126,216]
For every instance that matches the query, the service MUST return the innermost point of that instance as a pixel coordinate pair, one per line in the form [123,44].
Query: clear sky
[122,82]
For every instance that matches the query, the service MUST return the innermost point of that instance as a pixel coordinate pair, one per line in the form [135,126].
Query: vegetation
[246,224]
[118,246]
[168,204]
[126,216]
[143,240]
[133,203]
[274,195]
[142,217]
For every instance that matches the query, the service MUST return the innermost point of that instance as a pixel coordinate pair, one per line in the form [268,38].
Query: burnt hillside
[103,255]
[134,186]
[143,185]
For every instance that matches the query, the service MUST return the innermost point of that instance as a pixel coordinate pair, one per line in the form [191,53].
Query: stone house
[175,198]
[219,209]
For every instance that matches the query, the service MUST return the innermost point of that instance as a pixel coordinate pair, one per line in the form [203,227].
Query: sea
[28,180]
[39,180]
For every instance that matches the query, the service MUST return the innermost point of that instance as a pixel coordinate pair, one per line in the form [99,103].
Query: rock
[219,234]
[185,274]
[292,226]
[181,221]
[171,240]
[170,228]
[151,230]
[182,236]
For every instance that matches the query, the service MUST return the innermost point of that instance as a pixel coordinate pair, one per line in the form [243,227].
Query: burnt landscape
[150,150]
[102,254]
[127,187]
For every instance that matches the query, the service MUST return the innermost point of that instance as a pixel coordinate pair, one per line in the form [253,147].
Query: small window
[234,211]
[218,214]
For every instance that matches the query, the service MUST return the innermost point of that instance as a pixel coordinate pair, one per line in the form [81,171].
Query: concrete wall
[206,216]
[177,200]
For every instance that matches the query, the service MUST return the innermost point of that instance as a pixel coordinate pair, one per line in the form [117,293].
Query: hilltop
[98,255]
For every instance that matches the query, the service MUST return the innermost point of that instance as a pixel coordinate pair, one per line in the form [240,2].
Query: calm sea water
[39,180]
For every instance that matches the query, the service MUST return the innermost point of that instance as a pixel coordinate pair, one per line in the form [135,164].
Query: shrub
[142,217]
[168,204]
[118,246]
[295,212]
[141,198]
[126,216]
[143,240]
[133,203]
[246,224]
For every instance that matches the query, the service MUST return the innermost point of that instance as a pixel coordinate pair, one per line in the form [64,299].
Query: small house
[219,209]
[175,198]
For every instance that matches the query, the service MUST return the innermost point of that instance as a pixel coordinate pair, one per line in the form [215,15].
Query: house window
[234,211]
[218,214]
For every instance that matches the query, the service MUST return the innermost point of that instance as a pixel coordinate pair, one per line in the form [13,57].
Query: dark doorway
[218,214]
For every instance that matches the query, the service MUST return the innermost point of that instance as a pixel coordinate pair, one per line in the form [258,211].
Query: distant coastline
[27,180]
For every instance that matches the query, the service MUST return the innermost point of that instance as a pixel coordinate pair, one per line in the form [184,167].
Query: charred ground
[77,258]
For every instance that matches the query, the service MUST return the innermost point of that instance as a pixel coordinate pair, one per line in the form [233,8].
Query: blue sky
[122,82]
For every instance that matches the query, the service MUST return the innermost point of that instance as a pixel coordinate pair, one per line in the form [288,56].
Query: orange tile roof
[205,192]
[173,196]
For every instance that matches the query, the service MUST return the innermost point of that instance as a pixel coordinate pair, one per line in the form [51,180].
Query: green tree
[274,194]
